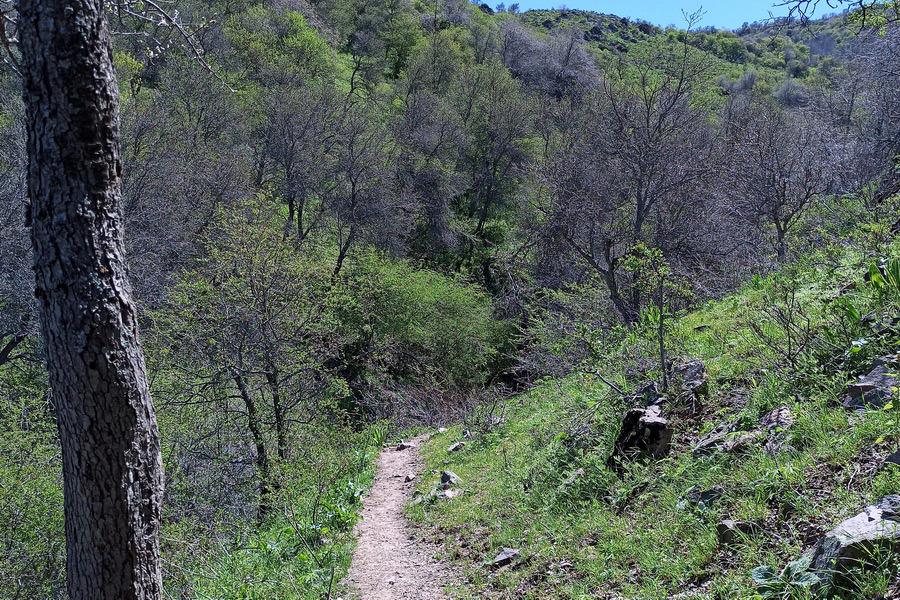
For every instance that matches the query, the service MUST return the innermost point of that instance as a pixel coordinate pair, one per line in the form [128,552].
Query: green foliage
[32,559]
[885,280]
[277,47]
[417,325]
[303,552]
[793,582]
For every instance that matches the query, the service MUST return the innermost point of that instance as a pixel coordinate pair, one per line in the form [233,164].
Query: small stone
[506,556]
[441,495]
[450,478]
[777,421]
[442,430]
[731,532]
[457,446]
[573,478]
[403,446]
[706,497]
[893,460]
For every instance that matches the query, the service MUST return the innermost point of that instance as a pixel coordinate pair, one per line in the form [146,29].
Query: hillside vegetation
[536,474]
[349,219]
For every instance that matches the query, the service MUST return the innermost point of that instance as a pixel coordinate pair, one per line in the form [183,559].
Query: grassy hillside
[537,480]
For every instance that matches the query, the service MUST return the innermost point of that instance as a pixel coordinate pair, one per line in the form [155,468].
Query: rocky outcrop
[727,438]
[875,389]
[644,434]
[856,539]
[692,377]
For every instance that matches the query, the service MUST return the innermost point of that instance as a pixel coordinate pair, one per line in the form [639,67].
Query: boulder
[854,540]
[693,377]
[450,478]
[644,433]
[872,390]
[506,556]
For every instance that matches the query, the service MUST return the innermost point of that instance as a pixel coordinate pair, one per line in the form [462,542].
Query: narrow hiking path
[388,563]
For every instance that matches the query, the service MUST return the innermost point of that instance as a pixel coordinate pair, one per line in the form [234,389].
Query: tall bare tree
[632,166]
[780,166]
[112,467]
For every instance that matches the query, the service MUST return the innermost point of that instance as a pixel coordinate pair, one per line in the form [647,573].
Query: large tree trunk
[112,466]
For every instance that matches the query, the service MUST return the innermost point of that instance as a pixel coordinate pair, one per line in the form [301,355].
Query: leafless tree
[184,155]
[429,140]
[780,166]
[299,140]
[17,317]
[632,168]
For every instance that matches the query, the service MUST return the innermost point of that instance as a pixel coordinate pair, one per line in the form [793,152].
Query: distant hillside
[783,45]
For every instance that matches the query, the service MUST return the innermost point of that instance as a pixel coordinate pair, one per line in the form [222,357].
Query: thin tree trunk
[662,337]
[262,456]
[342,253]
[112,466]
[278,409]
[782,245]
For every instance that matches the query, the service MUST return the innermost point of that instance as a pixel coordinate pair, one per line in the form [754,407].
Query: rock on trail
[388,564]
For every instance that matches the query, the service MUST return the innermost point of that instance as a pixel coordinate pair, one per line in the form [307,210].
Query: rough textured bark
[112,467]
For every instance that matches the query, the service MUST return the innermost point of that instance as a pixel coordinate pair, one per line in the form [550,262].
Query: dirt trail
[388,564]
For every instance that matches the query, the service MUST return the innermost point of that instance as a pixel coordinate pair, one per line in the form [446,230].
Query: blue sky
[726,14]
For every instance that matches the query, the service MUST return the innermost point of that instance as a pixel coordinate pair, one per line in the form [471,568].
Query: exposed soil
[388,564]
